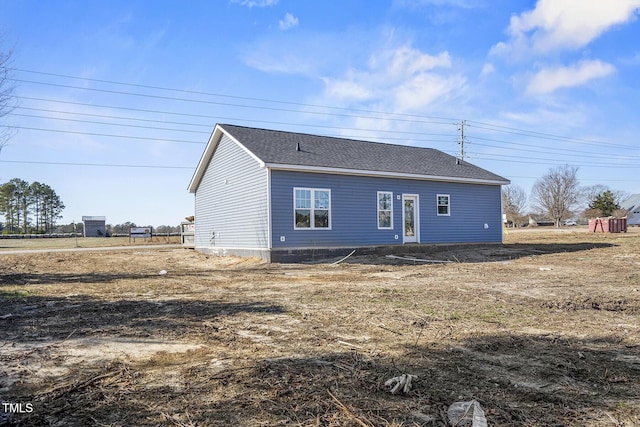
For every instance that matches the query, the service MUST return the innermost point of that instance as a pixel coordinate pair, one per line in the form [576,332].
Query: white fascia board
[383,174]
[216,135]
[204,159]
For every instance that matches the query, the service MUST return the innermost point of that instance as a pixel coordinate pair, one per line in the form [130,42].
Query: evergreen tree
[52,208]
[14,203]
[37,190]
[19,200]
[8,207]
[605,203]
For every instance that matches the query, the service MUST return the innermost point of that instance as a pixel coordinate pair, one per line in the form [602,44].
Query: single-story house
[632,206]
[286,196]
[540,220]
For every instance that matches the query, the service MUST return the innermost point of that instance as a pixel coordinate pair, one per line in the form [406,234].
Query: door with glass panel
[410,218]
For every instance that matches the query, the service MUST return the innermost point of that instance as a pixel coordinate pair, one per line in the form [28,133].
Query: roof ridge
[332,137]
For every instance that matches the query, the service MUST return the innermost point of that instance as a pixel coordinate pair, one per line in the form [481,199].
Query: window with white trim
[311,209]
[443,201]
[385,210]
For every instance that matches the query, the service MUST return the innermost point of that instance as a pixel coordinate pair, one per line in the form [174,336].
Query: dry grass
[542,331]
[82,242]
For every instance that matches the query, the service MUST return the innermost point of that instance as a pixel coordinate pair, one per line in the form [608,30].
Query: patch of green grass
[454,315]
[13,294]
[493,315]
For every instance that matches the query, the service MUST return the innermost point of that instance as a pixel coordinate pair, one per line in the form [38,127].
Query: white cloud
[359,71]
[547,116]
[255,3]
[308,54]
[346,89]
[402,78]
[564,24]
[487,69]
[265,57]
[423,90]
[406,61]
[550,79]
[288,22]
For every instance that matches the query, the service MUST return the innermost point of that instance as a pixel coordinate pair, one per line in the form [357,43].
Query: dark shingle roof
[279,148]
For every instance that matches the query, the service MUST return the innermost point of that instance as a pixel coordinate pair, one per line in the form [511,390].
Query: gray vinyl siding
[231,201]
[354,211]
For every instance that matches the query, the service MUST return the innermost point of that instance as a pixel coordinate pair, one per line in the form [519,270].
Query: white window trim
[312,209]
[448,204]
[378,210]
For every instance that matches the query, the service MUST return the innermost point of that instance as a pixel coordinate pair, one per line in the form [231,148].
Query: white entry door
[410,221]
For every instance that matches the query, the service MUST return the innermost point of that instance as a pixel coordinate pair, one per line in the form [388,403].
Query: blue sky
[116,99]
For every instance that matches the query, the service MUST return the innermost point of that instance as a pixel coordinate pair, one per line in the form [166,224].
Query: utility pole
[462,123]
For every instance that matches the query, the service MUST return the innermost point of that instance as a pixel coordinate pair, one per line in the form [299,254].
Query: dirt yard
[542,331]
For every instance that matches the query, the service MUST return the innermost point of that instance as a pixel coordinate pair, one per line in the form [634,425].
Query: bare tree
[589,193]
[593,192]
[557,193]
[514,204]
[6,94]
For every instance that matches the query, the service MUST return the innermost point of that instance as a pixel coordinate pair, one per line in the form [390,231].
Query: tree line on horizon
[29,207]
[558,196]
[126,226]
[114,229]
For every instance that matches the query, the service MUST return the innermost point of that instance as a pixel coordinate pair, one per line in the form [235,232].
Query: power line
[581,179]
[107,135]
[109,124]
[217,118]
[545,150]
[493,156]
[360,137]
[96,164]
[574,153]
[141,110]
[226,104]
[519,144]
[300,104]
[542,135]
[549,161]
[478,124]
[489,156]
[106,116]
[394,117]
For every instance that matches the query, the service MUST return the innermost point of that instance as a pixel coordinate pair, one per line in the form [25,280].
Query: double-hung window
[312,208]
[444,207]
[385,210]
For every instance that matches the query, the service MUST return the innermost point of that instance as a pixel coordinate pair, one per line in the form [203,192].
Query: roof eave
[383,174]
